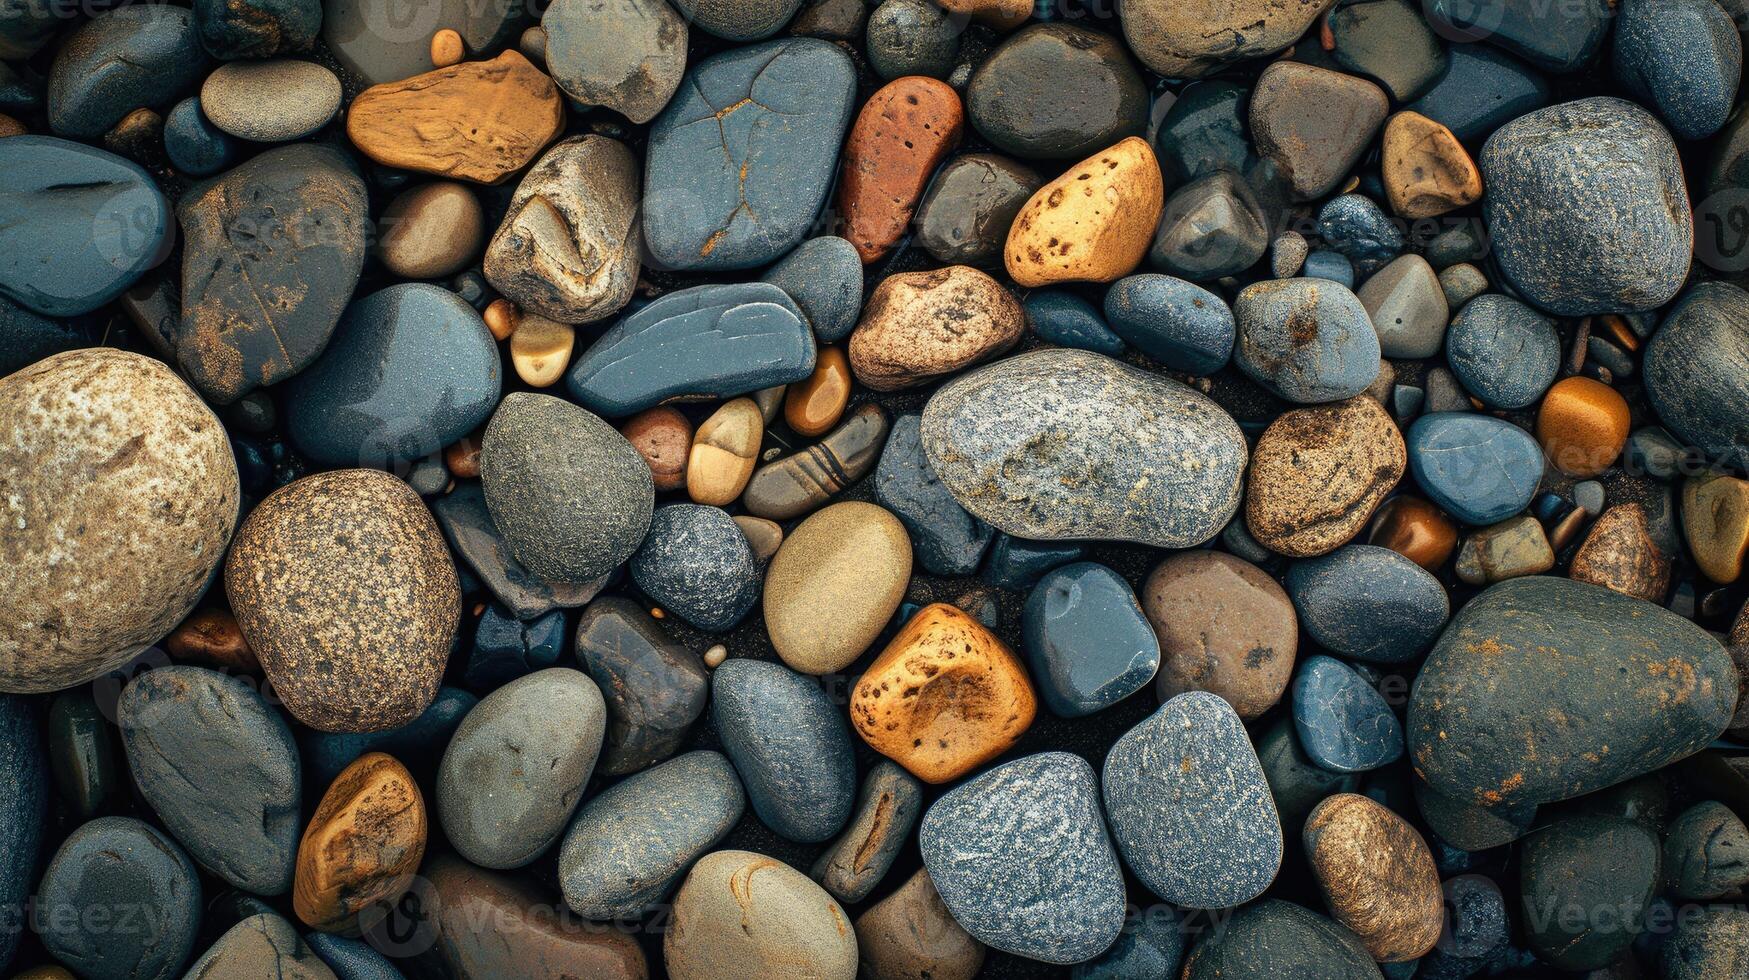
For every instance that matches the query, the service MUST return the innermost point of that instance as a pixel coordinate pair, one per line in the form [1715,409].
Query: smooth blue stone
[1483,88]
[1480,469]
[715,341]
[1180,324]
[696,563]
[1068,320]
[1504,352]
[1343,723]
[740,161]
[1683,58]
[1150,947]
[409,370]
[506,648]
[325,754]
[26,338]
[824,276]
[1356,226]
[1325,263]
[1086,639]
[194,145]
[78,226]
[128,58]
[945,538]
[24,772]
[351,959]
[790,745]
[1558,38]
[1016,563]
[1368,603]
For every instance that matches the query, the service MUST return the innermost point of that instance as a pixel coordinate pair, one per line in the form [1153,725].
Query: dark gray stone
[467,523]
[971,203]
[25,771]
[655,688]
[697,564]
[1205,131]
[834,20]
[1706,852]
[887,809]
[1016,563]
[1150,946]
[1478,927]
[738,20]
[945,539]
[1389,41]
[1277,939]
[326,754]
[1296,783]
[1696,371]
[26,338]
[119,899]
[194,145]
[141,56]
[1306,340]
[1708,944]
[387,40]
[25,28]
[1573,869]
[1369,603]
[1356,226]
[824,277]
[1682,57]
[1343,723]
[506,648]
[1210,228]
[628,57]
[790,745]
[1560,39]
[1504,352]
[351,959]
[1481,89]
[1086,641]
[1058,92]
[1067,320]
[1183,326]
[231,29]
[912,37]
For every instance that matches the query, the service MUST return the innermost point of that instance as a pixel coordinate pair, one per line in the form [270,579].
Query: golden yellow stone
[1092,224]
[1715,522]
[1426,171]
[540,349]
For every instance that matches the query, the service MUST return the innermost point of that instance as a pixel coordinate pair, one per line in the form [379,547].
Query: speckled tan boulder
[1192,38]
[1318,473]
[1225,627]
[1092,224]
[742,914]
[118,495]
[1377,876]
[833,585]
[918,326]
[343,586]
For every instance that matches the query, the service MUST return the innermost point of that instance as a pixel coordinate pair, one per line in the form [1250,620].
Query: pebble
[1210,228]
[1388,40]
[1557,41]
[540,350]
[447,48]
[104,438]
[1273,938]
[630,844]
[626,58]
[852,558]
[1296,783]
[193,144]
[1225,626]
[945,539]
[1620,553]
[468,526]
[911,38]
[361,848]
[920,326]
[1354,225]
[1582,426]
[724,451]
[343,587]
[431,231]
[965,215]
[1693,377]
[1427,171]
[232,29]
[824,277]
[1331,265]
[911,934]
[716,197]
[1715,524]
[516,767]
[1087,640]
[1651,685]
[654,688]
[325,755]
[1377,876]
[1192,40]
[1342,722]
[712,341]
[1706,945]
[1683,58]
[568,493]
[1135,456]
[1287,254]
[886,811]
[1189,807]
[1066,320]
[1314,123]
[501,317]
[1016,563]
[1318,474]
[264,944]
[506,648]
[1020,856]
[714,657]
[738,20]
[227,343]
[697,564]
[1583,863]
[900,136]
[567,248]
[1151,945]
[1306,340]
[1205,131]
[107,866]
[1546,168]
[1516,546]
[797,484]
[82,758]
[945,696]
[1407,306]
[1704,853]
[479,121]
[410,369]
[741,913]
[1461,283]
[1057,91]
[1101,214]
[548,946]
[790,746]
[1504,352]
[1479,469]
[1369,603]
[663,437]
[270,101]
[1481,89]
[1444,394]
[120,60]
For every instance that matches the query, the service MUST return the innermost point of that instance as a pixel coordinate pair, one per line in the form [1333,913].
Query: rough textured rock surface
[918,326]
[1697,370]
[1318,474]
[628,58]
[1190,40]
[1377,876]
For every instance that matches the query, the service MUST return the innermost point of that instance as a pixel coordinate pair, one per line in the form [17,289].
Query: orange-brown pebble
[813,406]
[724,451]
[943,698]
[362,846]
[1620,553]
[1377,875]
[1003,15]
[462,457]
[664,438]
[1092,224]
[501,318]
[446,49]
[902,133]
[1715,523]
[1426,171]
[1582,425]
[210,637]
[1415,529]
[11,127]
[540,349]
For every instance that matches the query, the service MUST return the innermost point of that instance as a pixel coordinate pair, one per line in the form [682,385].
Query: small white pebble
[716,655]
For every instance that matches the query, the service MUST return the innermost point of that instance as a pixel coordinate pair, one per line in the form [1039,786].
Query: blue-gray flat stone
[1343,723]
[1504,352]
[697,564]
[326,754]
[1307,340]
[1180,324]
[708,341]
[116,864]
[740,161]
[1067,320]
[945,538]
[1190,809]
[1020,856]
[886,810]
[789,743]
[351,959]
[1369,603]
[144,55]
[824,276]
[1697,370]
[1086,640]
[1480,469]
[1482,89]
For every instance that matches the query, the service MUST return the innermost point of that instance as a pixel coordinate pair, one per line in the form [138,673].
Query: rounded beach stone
[1190,810]
[1369,603]
[1020,856]
[1190,40]
[1066,320]
[790,746]
[1296,782]
[824,277]
[630,844]
[813,407]
[568,492]
[886,810]
[697,564]
[1056,444]
[911,37]
[1086,639]
[1715,524]
[361,848]
[1318,474]
[1426,171]
[1225,626]
[1706,852]
[431,231]
[663,436]
[1377,876]
[1516,546]
[724,451]
[122,59]
[654,687]
[1481,89]
[516,767]
[626,58]
[1460,823]
[1273,938]
[343,586]
[1210,228]
[910,935]
[1092,224]
[1344,724]
[1621,553]
[1694,372]
[901,134]
[1709,944]
[851,558]
[919,326]
[1407,306]
[194,145]
[1183,326]
[112,864]
[263,944]
[352,959]
[1479,469]
[1057,91]
[548,946]
[745,914]
[944,697]
[1683,58]
[969,207]
[1415,529]
[1583,426]
[105,439]
[1306,340]
[1504,352]
[270,101]
[1579,865]
[799,483]
[1605,159]
[1314,123]
[231,29]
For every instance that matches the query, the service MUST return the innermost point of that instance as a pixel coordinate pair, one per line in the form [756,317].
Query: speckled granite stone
[697,564]
[1369,603]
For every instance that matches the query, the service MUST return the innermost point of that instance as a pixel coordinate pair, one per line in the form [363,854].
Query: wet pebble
[1477,468]
[1342,722]
[789,745]
[971,204]
[1057,91]
[1369,603]
[1086,639]
[116,863]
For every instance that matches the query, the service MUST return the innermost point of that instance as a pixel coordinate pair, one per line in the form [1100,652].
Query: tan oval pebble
[1377,876]
[270,101]
[1426,171]
[541,349]
[1715,522]
[446,49]
[1621,554]
[724,451]
[501,318]
[918,326]
[1318,473]
[834,584]
[763,536]
[362,845]
[432,231]
[1092,224]
[663,437]
[1225,627]
[741,914]
[714,657]
[118,495]
[910,934]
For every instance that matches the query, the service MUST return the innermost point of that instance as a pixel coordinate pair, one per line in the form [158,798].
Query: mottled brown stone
[1193,38]
[910,935]
[1426,171]
[431,231]
[1314,123]
[1225,627]
[1092,224]
[901,135]
[1318,473]
[211,638]
[1514,547]
[1377,876]
[1621,554]
[1715,523]
[663,437]
[491,926]
[361,847]
[918,326]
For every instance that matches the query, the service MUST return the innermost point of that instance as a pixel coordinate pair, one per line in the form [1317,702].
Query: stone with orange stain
[742,914]
[211,638]
[1620,553]
[901,135]
[1092,224]
[1319,472]
[663,437]
[886,810]
[1415,529]
[944,697]
[1377,876]
[361,848]
[1715,523]
[1582,426]
[1426,171]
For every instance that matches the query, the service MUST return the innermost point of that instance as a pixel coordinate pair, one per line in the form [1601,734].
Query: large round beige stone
[742,914]
[833,585]
[118,495]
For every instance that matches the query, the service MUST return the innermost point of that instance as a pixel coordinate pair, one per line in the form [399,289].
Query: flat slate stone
[1504,352]
[467,523]
[1067,320]
[23,807]
[127,58]
[1189,806]
[1369,603]
[655,687]
[1480,469]
[1481,89]
[81,225]
[1697,370]
[824,277]
[388,40]
[1180,324]
[1343,724]
[712,342]
[1273,938]
[117,863]
[740,161]
[506,648]
[1069,444]
[1087,643]
[945,538]
[1020,856]
[789,743]
[696,563]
